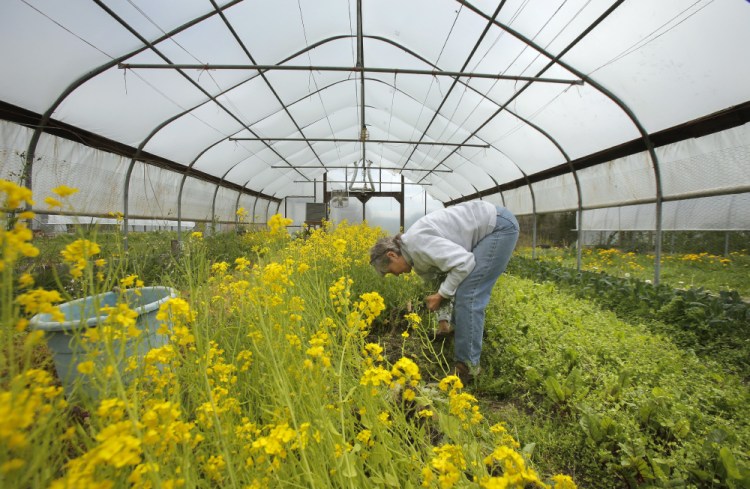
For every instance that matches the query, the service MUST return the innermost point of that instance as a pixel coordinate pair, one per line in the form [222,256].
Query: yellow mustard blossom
[317,352]
[139,477]
[376,376]
[371,305]
[15,194]
[515,473]
[563,482]
[12,465]
[405,375]
[64,191]
[413,319]
[77,254]
[176,310]
[463,406]
[111,410]
[365,437]
[277,277]
[277,225]
[385,418]
[52,202]
[275,446]
[504,438]
[244,360]
[163,427]
[130,281]
[86,367]
[121,322]
[373,353]
[339,245]
[340,292]
[450,383]
[15,243]
[445,467]
[25,280]
[32,400]
[41,301]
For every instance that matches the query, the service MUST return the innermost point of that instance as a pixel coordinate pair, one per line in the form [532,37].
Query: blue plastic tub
[63,337]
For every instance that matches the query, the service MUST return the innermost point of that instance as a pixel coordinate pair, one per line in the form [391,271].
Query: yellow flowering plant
[276,371]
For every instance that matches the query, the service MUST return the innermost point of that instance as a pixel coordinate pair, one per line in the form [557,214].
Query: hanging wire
[518,56]
[66,29]
[390,117]
[315,81]
[432,81]
[652,36]
[461,97]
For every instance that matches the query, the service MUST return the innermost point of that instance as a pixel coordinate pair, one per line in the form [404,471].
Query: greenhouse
[193,194]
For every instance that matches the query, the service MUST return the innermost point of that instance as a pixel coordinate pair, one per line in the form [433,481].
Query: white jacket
[442,241]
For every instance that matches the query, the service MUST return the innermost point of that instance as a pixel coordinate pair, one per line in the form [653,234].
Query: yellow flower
[41,301]
[14,243]
[130,281]
[14,194]
[86,368]
[413,319]
[339,245]
[385,418]
[52,202]
[64,191]
[447,465]
[77,254]
[563,482]
[241,263]
[25,280]
[197,235]
[277,225]
[11,465]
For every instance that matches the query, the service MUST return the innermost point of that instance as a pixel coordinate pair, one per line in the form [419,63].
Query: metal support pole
[353,140]
[345,69]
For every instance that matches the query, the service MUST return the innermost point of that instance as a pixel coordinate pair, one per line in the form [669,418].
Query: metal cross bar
[355,189]
[355,140]
[349,69]
[391,168]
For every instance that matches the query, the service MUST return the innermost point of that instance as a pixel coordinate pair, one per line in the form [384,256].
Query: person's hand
[433,301]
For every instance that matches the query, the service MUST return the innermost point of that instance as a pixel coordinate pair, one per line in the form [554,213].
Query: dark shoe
[466,374]
[437,335]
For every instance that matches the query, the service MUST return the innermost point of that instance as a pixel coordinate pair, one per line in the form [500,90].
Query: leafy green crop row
[645,412]
[713,325]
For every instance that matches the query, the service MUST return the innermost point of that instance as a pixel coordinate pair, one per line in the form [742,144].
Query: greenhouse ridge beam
[367,191]
[354,140]
[347,69]
[59,129]
[329,167]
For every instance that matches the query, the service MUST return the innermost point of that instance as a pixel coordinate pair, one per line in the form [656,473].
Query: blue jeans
[492,255]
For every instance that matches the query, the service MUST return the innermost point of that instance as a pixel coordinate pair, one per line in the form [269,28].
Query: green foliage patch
[716,326]
[648,413]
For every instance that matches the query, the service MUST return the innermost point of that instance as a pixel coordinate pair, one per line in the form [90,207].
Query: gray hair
[378,258]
